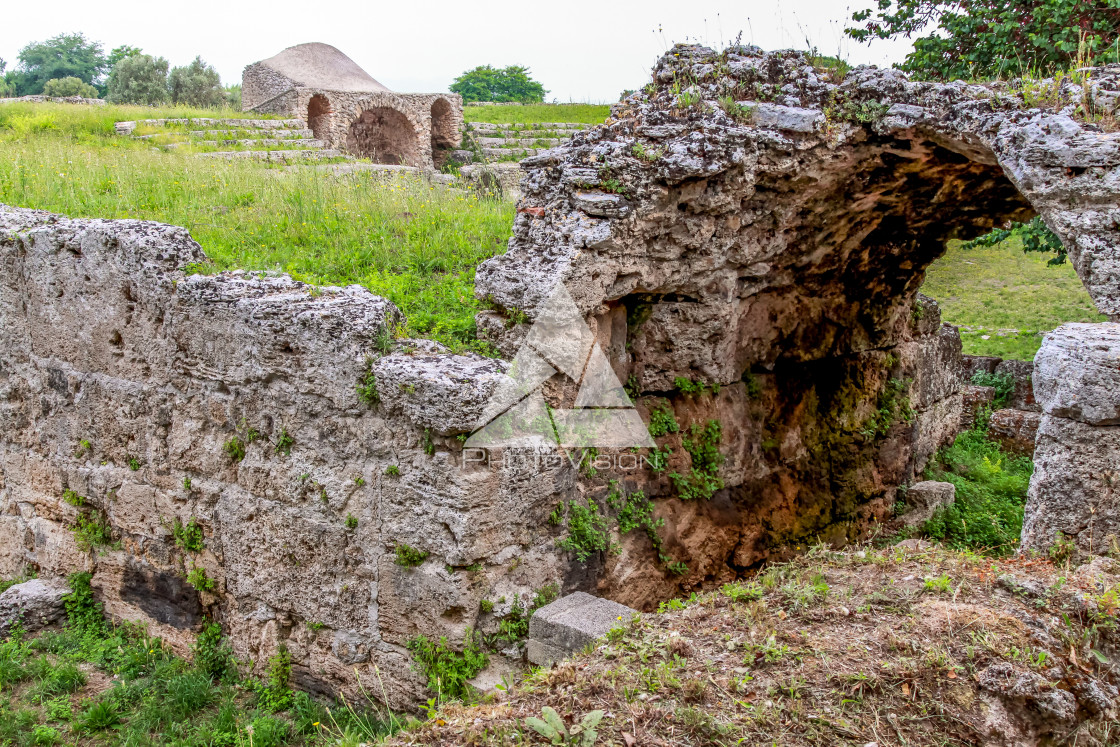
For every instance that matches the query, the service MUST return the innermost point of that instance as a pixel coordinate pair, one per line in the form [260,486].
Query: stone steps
[292,143]
[277,155]
[507,152]
[498,142]
[488,126]
[127,128]
[231,134]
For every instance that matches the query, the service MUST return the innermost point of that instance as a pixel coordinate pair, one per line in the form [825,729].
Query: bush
[486,83]
[992,38]
[212,654]
[448,670]
[69,86]
[991,493]
[139,79]
[197,84]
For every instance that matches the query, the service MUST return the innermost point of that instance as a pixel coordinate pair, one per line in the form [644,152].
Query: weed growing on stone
[134,463]
[702,444]
[588,530]
[1004,384]
[409,557]
[634,511]
[199,580]
[284,442]
[73,498]
[393,471]
[662,421]
[367,386]
[893,405]
[448,670]
[234,448]
[692,388]
[275,693]
[187,484]
[188,537]
[91,530]
[351,522]
[427,443]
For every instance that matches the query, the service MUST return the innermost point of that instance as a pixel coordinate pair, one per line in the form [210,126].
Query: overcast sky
[581,50]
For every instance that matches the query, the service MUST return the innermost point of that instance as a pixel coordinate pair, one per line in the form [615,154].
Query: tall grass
[404,239]
[991,494]
[499,114]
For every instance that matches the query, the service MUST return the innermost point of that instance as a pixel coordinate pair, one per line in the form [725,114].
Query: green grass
[991,493]
[409,241]
[999,288]
[582,113]
[149,696]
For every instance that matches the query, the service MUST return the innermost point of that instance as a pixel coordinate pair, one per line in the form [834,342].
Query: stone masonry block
[570,623]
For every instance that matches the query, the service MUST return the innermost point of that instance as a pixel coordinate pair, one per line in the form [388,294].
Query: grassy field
[94,683]
[584,113]
[1007,296]
[416,244]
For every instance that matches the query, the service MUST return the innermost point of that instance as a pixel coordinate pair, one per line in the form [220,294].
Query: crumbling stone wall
[123,380]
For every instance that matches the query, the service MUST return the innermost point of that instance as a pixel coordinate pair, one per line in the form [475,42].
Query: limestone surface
[570,623]
[32,605]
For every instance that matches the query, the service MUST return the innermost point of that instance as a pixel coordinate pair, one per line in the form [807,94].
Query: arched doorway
[319,116]
[445,136]
[384,135]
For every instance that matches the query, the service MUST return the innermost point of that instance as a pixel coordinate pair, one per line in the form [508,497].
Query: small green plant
[212,654]
[1003,383]
[367,386]
[83,611]
[893,406]
[427,443]
[73,498]
[486,605]
[938,585]
[199,580]
[702,444]
[359,481]
[276,694]
[409,557]
[643,153]
[393,471]
[284,442]
[735,110]
[315,626]
[695,388]
[98,717]
[1063,550]
[352,524]
[662,421]
[187,484]
[448,670]
[91,531]
[634,511]
[588,531]
[551,727]
[188,537]
[235,449]
[134,463]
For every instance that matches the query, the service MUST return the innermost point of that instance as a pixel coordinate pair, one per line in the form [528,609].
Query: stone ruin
[347,109]
[745,240]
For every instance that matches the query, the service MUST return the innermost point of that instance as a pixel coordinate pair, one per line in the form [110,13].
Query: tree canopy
[510,84]
[995,38]
[139,79]
[196,84]
[69,86]
[63,56]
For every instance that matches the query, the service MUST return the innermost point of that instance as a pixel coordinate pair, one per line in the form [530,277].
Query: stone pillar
[1075,489]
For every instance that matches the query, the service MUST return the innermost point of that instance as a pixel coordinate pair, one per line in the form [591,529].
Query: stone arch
[319,116]
[444,133]
[384,135]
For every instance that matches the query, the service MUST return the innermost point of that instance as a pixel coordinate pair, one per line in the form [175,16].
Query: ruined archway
[756,266]
[384,135]
[444,132]
[318,117]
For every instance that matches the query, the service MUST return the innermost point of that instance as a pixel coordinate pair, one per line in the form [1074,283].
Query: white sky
[581,50]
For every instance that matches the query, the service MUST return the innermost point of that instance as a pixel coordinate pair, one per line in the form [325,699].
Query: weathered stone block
[1015,430]
[33,605]
[924,498]
[570,623]
[1077,373]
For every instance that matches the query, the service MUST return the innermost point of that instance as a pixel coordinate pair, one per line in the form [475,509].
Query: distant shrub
[233,96]
[69,86]
[196,84]
[139,79]
[487,83]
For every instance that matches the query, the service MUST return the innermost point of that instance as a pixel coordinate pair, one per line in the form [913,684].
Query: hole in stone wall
[444,134]
[384,135]
[318,116]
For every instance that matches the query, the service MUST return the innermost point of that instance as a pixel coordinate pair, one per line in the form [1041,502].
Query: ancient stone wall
[123,382]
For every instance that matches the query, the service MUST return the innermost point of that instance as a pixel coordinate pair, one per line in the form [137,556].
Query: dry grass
[834,648]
